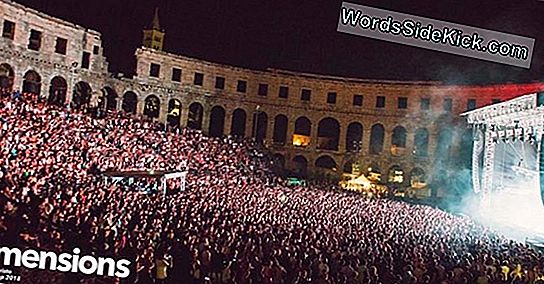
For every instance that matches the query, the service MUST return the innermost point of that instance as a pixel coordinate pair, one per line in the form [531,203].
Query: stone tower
[154,36]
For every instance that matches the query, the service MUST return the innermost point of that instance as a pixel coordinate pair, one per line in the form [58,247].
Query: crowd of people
[235,222]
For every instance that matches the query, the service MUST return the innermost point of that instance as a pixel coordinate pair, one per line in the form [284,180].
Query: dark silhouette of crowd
[236,221]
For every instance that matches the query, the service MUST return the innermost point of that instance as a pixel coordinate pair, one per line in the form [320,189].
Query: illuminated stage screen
[514,205]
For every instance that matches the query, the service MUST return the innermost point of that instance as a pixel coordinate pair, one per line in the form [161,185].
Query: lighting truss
[478,146]
[520,118]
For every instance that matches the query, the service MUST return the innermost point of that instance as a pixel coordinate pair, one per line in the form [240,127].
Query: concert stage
[507,167]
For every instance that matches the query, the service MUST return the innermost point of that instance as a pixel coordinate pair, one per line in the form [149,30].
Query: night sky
[302,36]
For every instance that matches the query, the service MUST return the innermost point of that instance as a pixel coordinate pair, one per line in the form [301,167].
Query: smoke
[513,206]
[450,146]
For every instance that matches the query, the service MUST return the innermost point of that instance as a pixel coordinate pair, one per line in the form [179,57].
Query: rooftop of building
[275,71]
[50,18]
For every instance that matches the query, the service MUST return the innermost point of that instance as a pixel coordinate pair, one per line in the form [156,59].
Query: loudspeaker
[541,167]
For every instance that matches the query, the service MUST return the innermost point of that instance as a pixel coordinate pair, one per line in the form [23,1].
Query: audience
[235,222]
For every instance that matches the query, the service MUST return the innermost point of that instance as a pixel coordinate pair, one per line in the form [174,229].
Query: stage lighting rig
[520,118]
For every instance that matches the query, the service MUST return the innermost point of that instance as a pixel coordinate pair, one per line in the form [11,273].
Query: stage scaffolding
[519,118]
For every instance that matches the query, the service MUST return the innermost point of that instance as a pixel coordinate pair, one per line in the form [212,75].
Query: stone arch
[418,178]
[303,132]
[57,91]
[326,162]
[395,175]
[217,121]
[238,125]
[279,160]
[398,141]
[328,132]
[260,122]
[194,119]
[108,100]
[348,167]
[373,172]
[32,82]
[152,106]
[7,77]
[377,134]
[300,165]
[399,137]
[421,142]
[280,129]
[130,102]
[174,113]
[81,95]
[354,137]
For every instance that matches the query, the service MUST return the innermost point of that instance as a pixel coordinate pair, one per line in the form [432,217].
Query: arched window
[373,172]
[238,125]
[217,121]
[418,178]
[325,162]
[81,95]
[302,134]
[376,139]
[348,167]
[328,132]
[280,129]
[32,82]
[174,113]
[130,101]
[152,106]
[395,175]
[7,77]
[279,160]
[109,99]
[260,122]
[354,137]
[194,119]
[398,141]
[301,165]
[57,91]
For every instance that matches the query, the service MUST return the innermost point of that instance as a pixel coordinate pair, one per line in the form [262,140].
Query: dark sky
[302,36]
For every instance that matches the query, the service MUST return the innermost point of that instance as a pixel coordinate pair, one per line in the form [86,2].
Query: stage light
[515,208]
[510,133]
[511,166]
[518,133]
